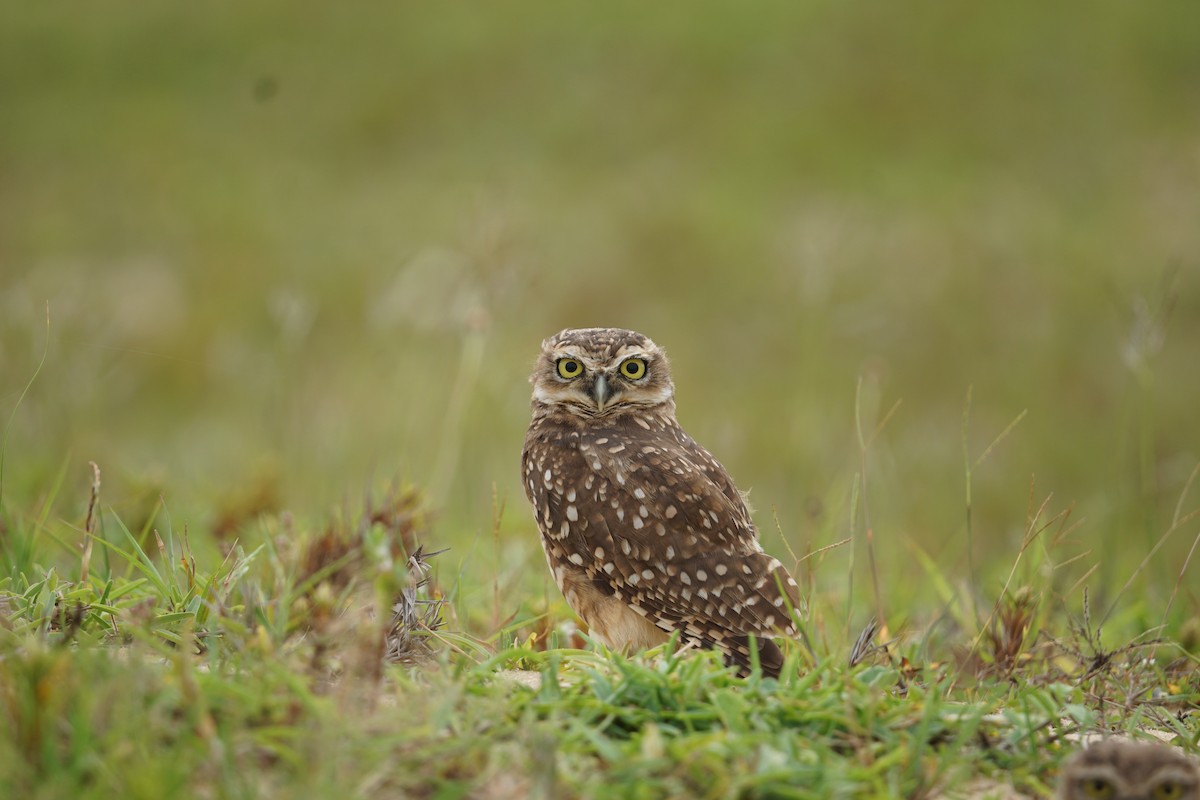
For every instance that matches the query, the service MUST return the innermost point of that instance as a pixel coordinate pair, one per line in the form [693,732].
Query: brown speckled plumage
[643,529]
[1116,769]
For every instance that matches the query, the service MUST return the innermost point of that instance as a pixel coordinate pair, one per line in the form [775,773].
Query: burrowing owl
[1122,770]
[644,531]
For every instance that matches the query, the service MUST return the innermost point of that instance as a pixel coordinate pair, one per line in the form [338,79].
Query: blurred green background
[294,251]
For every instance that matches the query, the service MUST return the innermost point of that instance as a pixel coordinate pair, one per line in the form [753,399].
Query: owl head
[1124,770]
[597,372]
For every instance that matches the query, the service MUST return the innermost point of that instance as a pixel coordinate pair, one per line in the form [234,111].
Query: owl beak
[600,391]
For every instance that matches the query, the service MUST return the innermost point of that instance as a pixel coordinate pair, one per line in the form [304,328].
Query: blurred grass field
[294,253]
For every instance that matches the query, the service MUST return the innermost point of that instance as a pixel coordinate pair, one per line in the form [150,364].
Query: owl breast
[567,470]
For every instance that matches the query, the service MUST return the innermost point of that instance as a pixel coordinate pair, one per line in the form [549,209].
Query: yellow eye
[1168,790]
[1098,788]
[634,368]
[569,368]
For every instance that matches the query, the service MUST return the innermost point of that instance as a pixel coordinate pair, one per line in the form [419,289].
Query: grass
[264,673]
[928,284]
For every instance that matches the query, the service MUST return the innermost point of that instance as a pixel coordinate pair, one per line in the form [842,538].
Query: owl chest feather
[569,474]
[566,478]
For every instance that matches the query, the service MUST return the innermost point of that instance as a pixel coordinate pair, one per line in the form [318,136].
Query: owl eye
[1167,790]
[634,368]
[1098,788]
[569,368]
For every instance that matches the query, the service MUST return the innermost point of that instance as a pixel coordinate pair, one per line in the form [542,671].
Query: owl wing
[717,474]
[679,545]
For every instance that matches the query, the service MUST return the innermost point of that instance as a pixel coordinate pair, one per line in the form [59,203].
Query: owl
[1114,769]
[644,531]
